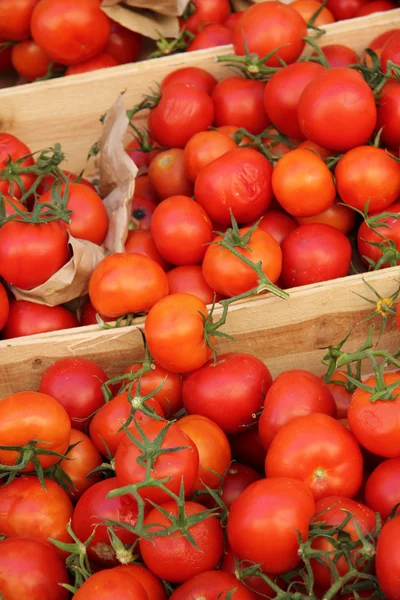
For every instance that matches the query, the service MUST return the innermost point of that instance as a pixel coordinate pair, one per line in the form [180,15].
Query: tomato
[313,253]
[70,31]
[76,384]
[366,237]
[321,452]
[31,569]
[141,156]
[237,478]
[338,55]
[5,58]
[213,585]
[328,118]
[142,212]
[114,278]
[27,509]
[174,331]
[48,181]
[95,507]
[182,111]
[29,60]
[206,11]
[238,183]
[28,318]
[160,554]
[240,102]
[101,61]
[12,148]
[340,394]
[368,174]
[229,276]
[144,188]
[4,307]
[389,113]
[337,215]
[81,460]
[266,27]
[382,490]
[277,224]
[309,145]
[28,416]
[150,583]
[168,175]
[189,279]
[141,241]
[239,381]
[380,40]
[374,7]
[191,76]
[387,559]
[284,508]
[308,8]
[211,36]
[15,18]
[112,581]
[213,447]
[248,449]
[88,315]
[331,512]
[124,45]
[344,9]
[203,148]
[294,393]
[230,131]
[233,19]
[256,585]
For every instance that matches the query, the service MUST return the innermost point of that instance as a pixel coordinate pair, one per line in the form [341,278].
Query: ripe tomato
[389,113]
[160,554]
[182,111]
[31,569]
[206,11]
[76,384]
[337,215]
[229,276]
[29,60]
[319,451]
[277,224]
[88,315]
[141,157]
[239,381]
[4,307]
[374,7]
[12,148]
[191,76]
[344,9]
[254,584]
[268,26]
[213,585]
[48,181]
[15,18]
[203,148]
[174,331]
[230,131]
[82,459]
[28,318]
[380,40]
[303,184]
[375,424]
[240,102]
[341,396]
[28,416]
[308,8]
[70,31]
[294,393]
[233,19]
[281,506]
[327,118]
[140,241]
[338,55]
[189,279]
[237,478]
[238,183]
[101,61]
[111,581]
[282,94]
[29,510]
[313,253]
[142,213]
[150,583]
[387,559]
[309,145]
[248,449]
[366,236]
[382,490]
[114,278]
[168,175]
[124,45]
[145,189]
[211,36]
[94,508]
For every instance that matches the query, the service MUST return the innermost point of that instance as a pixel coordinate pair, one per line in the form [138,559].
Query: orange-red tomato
[168,175]
[15,19]
[150,583]
[191,76]
[340,394]
[278,224]
[29,60]
[189,279]
[122,584]
[141,241]
[338,216]
[123,44]
[79,462]
[309,145]
[308,8]
[338,55]
[375,7]
[101,61]
[210,36]
[203,148]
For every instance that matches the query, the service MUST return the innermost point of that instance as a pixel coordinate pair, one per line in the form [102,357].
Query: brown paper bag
[171,8]
[146,22]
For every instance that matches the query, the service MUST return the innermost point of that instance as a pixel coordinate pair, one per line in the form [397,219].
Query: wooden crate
[283,333]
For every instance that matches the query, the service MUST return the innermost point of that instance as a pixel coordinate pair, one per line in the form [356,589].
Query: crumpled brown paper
[146,22]
[171,8]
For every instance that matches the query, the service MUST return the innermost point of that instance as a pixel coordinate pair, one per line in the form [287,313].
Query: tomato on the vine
[191,76]
[11,148]
[213,584]
[78,464]
[202,12]
[122,585]
[338,55]
[389,227]
[308,8]
[236,479]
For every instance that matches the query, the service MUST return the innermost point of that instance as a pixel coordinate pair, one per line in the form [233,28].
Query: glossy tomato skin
[308,8]
[338,55]
[389,113]
[331,465]
[31,569]
[203,148]
[237,478]
[12,147]
[212,585]
[340,394]
[70,31]
[293,393]
[88,315]
[239,181]
[15,17]
[278,224]
[382,490]
[141,241]
[282,94]
[280,506]
[182,111]
[391,51]
[189,279]
[248,449]
[123,45]
[161,554]
[49,180]
[313,253]
[265,28]
[240,102]
[101,61]
[140,156]
[76,384]
[239,381]
[111,582]
[344,9]
[168,175]
[211,36]
[145,189]
[150,583]
[337,215]
[191,76]
[28,318]
[387,559]
[4,307]
[206,11]
[29,60]
[82,459]
[373,7]
[367,236]
[327,118]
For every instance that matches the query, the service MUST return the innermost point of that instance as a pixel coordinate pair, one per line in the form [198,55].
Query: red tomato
[145,189]
[95,507]
[88,315]
[319,451]
[233,19]
[281,506]
[70,31]
[174,331]
[142,212]
[344,9]
[111,581]
[340,394]
[254,584]
[29,60]
[248,449]
[101,61]
[213,585]
[327,118]
[15,18]
[5,307]
[150,583]
[294,393]
[31,569]
[191,76]
[366,237]
[168,175]
[380,40]
[338,55]
[337,215]
[308,8]
[76,384]
[141,241]
[213,447]
[239,381]
[160,554]
[189,279]
[28,318]
[389,113]
[240,102]
[387,559]
[114,278]
[266,27]
[206,11]
[313,253]
[203,148]
[182,111]
[236,480]
[12,148]
[374,7]
[124,45]
[211,36]
[309,145]
[27,509]
[140,156]
[48,181]
[277,224]
[80,462]
[382,490]
[239,181]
